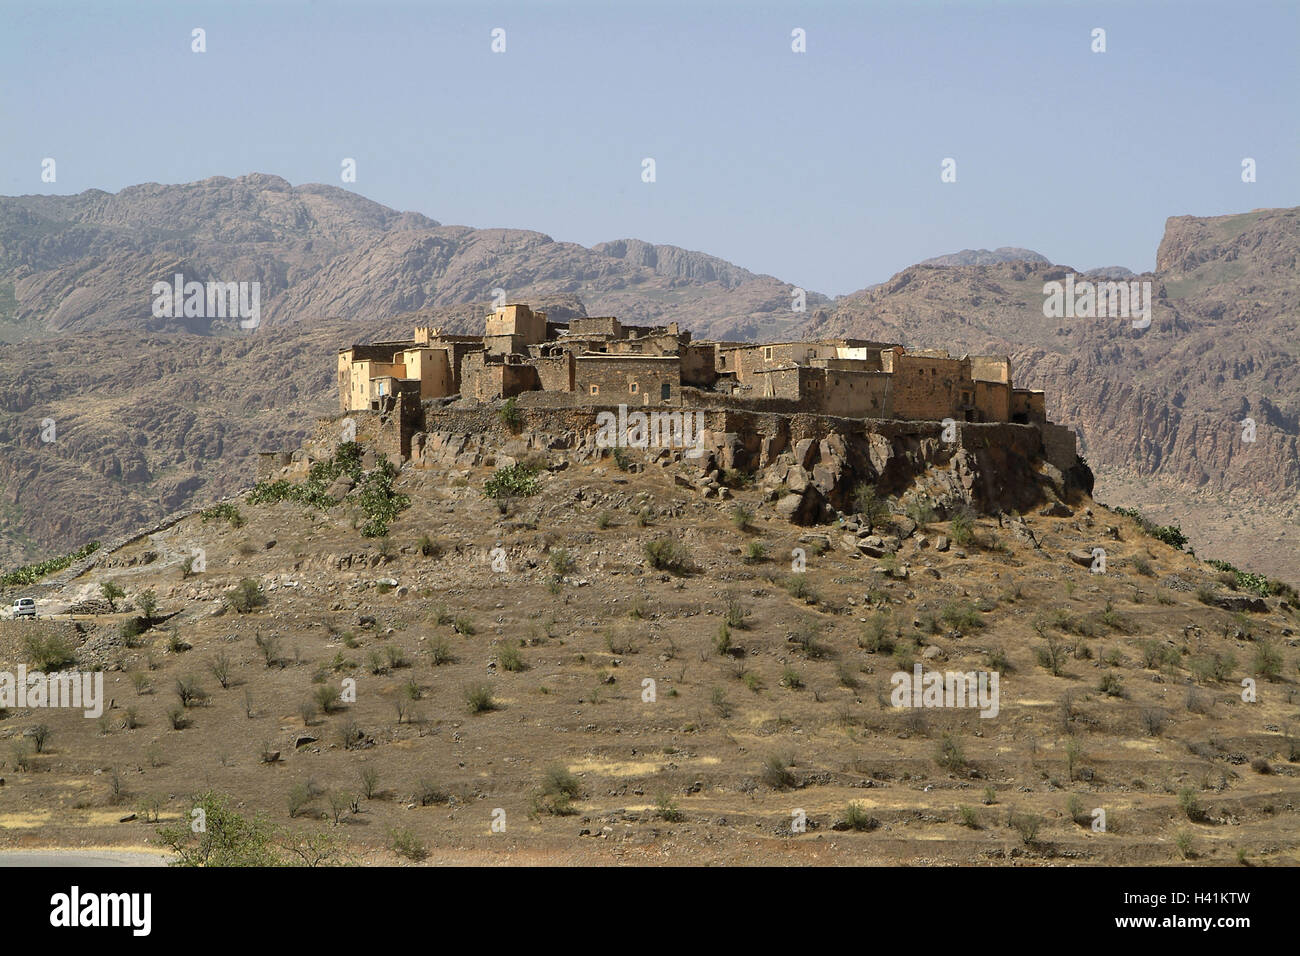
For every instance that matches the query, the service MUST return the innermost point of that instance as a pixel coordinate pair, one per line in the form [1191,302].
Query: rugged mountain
[88,262]
[1166,401]
[987,257]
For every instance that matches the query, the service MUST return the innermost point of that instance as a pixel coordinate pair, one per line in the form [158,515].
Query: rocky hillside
[1164,402]
[88,262]
[644,665]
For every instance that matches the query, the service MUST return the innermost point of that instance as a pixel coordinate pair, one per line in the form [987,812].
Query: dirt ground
[736,745]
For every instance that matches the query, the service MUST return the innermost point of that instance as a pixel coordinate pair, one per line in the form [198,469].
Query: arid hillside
[630,664]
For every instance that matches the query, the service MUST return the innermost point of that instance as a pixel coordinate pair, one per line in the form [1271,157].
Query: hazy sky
[821,168]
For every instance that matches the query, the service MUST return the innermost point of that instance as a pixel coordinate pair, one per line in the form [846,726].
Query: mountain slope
[1163,402]
[88,262]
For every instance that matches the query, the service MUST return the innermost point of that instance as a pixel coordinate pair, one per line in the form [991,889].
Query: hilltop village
[601,362]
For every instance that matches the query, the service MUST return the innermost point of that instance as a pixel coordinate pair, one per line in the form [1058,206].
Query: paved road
[79,858]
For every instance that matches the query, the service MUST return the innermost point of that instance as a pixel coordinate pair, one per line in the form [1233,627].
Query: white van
[24,607]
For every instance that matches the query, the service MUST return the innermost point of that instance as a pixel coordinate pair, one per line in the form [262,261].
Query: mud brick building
[599,361]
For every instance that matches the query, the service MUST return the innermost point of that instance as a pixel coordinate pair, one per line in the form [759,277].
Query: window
[665,391]
[632,387]
[595,389]
[767,354]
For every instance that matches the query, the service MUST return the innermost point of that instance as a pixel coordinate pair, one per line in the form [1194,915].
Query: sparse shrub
[736,616]
[246,597]
[776,773]
[1111,686]
[464,626]
[513,481]
[875,635]
[479,699]
[1266,660]
[997,660]
[221,669]
[112,592]
[407,845]
[562,563]
[604,520]
[326,698]
[949,754]
[741,517]
[666,810]
[791,679]
[721,705]
[350,734]
[189,691]
[846,677]
[369,778]
[667,554]
[509,413]
[1183,843]
[1213,666]
[969,818]
[47,649]
[301,796]
[857,818]
[559,780]
[755,552]
[618,643]
[511,660]
[961,526]
[226,511]
[130,630]
[1154,720]
[1190,804]
[1027,825]
[39,734]
[798,587]
[1051,656]
[427,793]
[1073,756]
[873,508]
[962,616]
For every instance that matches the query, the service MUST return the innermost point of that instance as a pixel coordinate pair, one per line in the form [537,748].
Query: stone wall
[627,379]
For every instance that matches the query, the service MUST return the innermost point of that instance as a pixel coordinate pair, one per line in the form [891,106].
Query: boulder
[1241,603]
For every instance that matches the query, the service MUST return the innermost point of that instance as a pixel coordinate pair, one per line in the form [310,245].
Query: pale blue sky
[820,168]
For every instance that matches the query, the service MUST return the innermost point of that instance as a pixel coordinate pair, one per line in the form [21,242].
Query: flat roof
[634,357]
